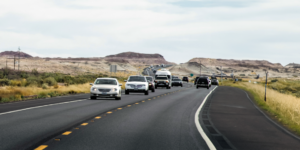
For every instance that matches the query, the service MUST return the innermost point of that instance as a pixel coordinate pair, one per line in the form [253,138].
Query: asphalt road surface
[240,125]
[164,120]
[160,120]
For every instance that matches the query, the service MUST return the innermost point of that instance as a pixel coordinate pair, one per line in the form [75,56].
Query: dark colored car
[185,79]
[203,82]
[176,82]
[151,83]
[214,81]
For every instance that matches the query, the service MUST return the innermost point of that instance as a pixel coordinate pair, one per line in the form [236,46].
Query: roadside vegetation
[283,102]
[17,86]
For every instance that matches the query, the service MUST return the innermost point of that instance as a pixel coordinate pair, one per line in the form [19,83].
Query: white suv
[137,84]
[106,88]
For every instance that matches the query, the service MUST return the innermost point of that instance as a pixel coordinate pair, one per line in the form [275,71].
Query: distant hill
[11,54]
[137,58]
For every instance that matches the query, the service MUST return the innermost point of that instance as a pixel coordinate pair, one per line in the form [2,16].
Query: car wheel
[118,98]
[155,87]
[146,92]
[169,87]
[197,87]
[153,90]
[126,92]
[93,97]
[208,87]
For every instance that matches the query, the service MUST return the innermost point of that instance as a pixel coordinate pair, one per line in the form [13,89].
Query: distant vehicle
[137,84]
[106,88]
[162,81]
[185,79]
[164,72]
[214,81]
[174,77]
[203,82]
[162,65]
[151,83]
[154,71]
[176,82]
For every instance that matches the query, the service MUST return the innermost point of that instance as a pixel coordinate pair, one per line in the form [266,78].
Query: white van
[164,72]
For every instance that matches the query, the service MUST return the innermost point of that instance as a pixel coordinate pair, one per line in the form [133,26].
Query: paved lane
[243,126]
[166,123]
[24,129]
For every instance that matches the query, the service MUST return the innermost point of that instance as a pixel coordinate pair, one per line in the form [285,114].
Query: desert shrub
[1,74]
[275,80]
[42,95]
[45,86]
[34,72]
[15,83]
[24,75]
[4,82]
[50,81]
[55,86]
[240,79]
[32,80]
[242,75]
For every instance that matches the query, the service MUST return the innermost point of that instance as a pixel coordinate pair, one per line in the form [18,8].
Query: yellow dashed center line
[76,128]
[136,103]
[67,133]
[143,101]
[98,117]
[128,105]
[149,99]
[119,108]
[84,124]
[41,147]
[109,112]
[57,139]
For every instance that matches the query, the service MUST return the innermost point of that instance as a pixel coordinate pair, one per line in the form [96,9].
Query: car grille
[104,90]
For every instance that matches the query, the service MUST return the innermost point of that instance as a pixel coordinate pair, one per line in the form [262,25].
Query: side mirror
[120,84]
[91,84]
[125,80]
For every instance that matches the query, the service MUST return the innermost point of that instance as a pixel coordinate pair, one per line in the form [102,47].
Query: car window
[136,79]
[162,78]
[176,80]
[149,78]
[106,81]
[200,80]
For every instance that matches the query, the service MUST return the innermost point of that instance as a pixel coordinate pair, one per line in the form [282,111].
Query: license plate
[135,89]
[104,93]
[202,84]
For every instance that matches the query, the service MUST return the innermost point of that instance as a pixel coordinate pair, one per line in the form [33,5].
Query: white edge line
[202,133]
[9,112]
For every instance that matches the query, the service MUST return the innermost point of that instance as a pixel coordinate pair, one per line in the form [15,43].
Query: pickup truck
[162,81]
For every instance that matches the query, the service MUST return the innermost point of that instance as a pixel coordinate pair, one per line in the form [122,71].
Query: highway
[165,120]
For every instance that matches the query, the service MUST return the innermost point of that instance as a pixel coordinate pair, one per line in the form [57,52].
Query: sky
[177,29]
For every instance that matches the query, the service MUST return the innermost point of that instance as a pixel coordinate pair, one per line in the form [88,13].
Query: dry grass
[285,108]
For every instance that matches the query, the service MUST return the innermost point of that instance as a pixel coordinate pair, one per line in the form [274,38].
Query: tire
[155,87]
[197,87]
[126,92]
[118,98]
[93,97]
[208,87]
[146,92]
[153,90]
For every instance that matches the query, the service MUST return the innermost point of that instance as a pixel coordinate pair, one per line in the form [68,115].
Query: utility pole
[266,86]
[221,73]
[19,59]
[14,62]
[6,62]
[200,68]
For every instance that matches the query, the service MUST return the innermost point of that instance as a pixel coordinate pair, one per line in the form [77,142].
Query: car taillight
[167,81]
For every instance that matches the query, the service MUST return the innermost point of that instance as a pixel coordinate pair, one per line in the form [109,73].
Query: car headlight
[167,81]
[94,89]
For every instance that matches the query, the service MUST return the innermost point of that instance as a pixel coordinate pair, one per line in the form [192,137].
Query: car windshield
[149,78]
[176,80]
[162,78]
[136,79]
[213,77]
[106,81]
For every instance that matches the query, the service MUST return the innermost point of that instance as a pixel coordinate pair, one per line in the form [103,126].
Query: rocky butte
[137,58]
